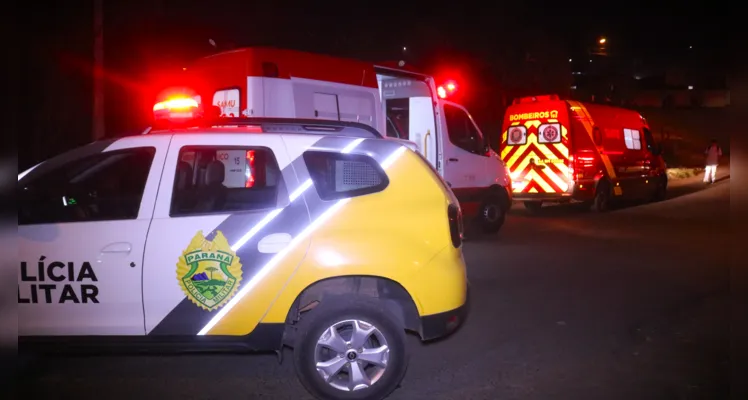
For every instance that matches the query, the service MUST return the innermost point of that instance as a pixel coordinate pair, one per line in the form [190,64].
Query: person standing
[712,153]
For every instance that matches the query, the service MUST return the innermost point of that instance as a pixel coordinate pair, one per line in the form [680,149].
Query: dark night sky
[142,37]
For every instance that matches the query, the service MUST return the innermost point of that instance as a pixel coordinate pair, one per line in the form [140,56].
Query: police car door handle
[118,247]
[454,159]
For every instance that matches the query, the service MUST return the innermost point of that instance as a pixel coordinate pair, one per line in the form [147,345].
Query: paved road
[632,304]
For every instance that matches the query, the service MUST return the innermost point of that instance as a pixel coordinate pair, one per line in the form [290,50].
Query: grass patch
[682,173]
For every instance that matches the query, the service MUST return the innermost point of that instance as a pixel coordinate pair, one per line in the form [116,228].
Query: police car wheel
[350,349]
[492,215]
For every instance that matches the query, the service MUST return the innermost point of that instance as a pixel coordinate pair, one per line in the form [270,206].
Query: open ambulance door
[409,111]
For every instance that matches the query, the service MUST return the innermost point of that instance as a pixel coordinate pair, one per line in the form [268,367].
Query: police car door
[224,210]
[82,223]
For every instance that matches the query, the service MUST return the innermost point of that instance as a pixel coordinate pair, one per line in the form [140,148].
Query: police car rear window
[211,179]
[338,175]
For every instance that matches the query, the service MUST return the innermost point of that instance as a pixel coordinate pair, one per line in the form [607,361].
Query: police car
[252,234]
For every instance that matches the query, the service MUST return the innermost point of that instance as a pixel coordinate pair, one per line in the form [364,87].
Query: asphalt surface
[566,304]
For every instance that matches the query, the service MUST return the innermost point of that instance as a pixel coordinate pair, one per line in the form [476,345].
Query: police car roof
[271,125]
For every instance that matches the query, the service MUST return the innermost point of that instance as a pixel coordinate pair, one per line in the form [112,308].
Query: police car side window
[212,179]
[104,187]
[462,132]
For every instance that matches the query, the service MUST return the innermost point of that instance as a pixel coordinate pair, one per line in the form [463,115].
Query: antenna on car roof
[147,131]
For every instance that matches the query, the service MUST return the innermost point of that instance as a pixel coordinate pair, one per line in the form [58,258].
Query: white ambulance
[403,105]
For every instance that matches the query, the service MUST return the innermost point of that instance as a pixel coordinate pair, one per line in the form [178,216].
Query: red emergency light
[177,105]
[177,108]
[447,89]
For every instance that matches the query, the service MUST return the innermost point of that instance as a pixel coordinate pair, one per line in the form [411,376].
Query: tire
[603,197]
[533,206]
[492,214]
[660,192]
[343,316]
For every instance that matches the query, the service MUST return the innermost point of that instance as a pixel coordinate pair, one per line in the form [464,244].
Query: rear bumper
[580,191]
[443,324]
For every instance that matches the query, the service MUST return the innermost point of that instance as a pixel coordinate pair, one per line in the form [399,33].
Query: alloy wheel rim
[351,355]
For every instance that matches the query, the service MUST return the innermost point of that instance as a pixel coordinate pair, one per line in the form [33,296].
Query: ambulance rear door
[535,145]
[409,106]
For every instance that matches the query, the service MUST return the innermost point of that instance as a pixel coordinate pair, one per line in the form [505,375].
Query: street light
[602,40]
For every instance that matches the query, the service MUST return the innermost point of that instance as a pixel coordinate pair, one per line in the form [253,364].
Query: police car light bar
[177,108]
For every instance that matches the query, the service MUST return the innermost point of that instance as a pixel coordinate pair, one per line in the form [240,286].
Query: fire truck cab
[402,105]
[562,150]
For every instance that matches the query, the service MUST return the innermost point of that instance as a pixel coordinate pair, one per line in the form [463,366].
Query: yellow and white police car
[252,234]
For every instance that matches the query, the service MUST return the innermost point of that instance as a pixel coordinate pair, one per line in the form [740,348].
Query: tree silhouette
[211,269]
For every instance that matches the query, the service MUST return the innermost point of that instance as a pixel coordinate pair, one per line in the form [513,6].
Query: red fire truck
[562,150]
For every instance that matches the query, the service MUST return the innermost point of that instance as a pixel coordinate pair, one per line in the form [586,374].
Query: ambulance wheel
[351,349]
[533,206]
[602,200]
[492,214]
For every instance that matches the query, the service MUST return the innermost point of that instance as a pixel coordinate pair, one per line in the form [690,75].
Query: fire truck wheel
[602,197]
[492,214]
[661,190]
[533,206]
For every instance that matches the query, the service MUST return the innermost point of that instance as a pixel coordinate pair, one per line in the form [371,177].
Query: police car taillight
[177,108]
[455,224]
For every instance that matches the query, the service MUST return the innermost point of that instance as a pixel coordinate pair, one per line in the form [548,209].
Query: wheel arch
[503,193]
[393,296]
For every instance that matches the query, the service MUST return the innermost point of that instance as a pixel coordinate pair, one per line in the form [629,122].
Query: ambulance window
[222,179]
[462,131]
[632,139]
[104,187]
[398,118]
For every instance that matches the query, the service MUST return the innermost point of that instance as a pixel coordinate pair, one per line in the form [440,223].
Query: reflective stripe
[586,118]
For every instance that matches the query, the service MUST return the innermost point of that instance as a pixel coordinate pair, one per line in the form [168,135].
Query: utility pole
[98,126]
